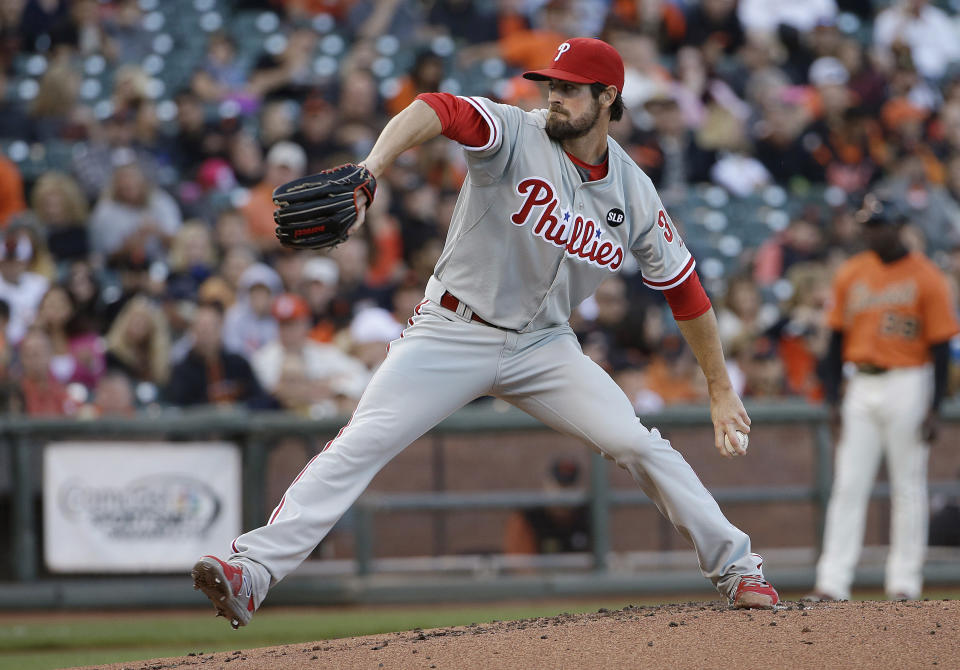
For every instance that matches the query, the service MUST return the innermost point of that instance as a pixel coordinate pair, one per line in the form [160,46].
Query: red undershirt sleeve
[688,300]
[459,120]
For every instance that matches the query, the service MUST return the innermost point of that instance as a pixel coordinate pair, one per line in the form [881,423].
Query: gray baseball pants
[443,361]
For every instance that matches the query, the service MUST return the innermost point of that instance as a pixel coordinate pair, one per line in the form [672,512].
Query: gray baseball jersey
[529,239]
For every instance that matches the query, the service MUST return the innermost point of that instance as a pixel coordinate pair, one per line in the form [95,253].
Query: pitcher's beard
[559,129]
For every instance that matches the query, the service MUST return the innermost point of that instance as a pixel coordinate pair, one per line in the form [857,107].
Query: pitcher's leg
[907,457]
[431,372]
[572,394]
[856,463]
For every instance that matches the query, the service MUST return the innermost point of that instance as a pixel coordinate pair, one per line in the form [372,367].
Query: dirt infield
[692,635]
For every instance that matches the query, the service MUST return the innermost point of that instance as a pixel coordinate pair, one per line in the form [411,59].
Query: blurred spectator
[249,324]
[43,394]
[425,76]
[369,20]
[713,26]
[138,343]
[358,105]
[112,143]
[41,261]
[83,32]
[779,144]
[221,75]
[192,259]
[61,209]
[55,113]
[277,122]
[742,312]
[530,48]
[304,375]
[609,327]
[285,161]
[802,241]
[845,144]
[235,262]
[762,367]
[316,133]
[124,25]
[929,33]
[766,16]
[672,373]
[21,289]
[465,20]
[196,139]
[133,219]
[551,529]
[113,395]
[14,116]
[11,190]
[230,231]
[802,333]
[669,154]
[371,330]
[866,82]
[320,278]
[37,21]
[288,74]
[246,159]
[77,354]
[210,374]
[6,350]
[289,265]
[131,89]
[661,19]
[927,204]
[90,311]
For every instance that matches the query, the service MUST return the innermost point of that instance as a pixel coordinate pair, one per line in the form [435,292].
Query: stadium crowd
[139,267]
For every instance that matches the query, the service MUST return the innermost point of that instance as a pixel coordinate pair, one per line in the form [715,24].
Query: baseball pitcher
[892,317]
[551,206]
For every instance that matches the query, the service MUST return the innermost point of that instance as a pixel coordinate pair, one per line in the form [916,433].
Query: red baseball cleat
[227,588]
[754,592]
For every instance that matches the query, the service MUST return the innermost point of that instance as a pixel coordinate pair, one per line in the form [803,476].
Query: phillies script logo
[580,238]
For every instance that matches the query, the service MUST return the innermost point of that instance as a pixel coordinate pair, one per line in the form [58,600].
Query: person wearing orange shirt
[892,316]
[285,161]
[12,199]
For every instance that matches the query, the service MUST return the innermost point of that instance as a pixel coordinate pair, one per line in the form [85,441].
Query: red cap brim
[553,73]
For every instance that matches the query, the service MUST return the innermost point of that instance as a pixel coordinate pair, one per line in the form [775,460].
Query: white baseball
[743,439]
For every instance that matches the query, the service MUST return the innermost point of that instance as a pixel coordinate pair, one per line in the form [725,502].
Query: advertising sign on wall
[138,506]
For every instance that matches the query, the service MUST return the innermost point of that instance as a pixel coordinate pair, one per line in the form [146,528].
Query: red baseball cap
[584,60]
[289,306]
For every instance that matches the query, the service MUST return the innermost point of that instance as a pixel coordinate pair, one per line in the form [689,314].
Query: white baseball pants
[440,363]
[882,416]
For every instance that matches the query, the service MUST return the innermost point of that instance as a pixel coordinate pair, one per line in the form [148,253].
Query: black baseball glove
[317,211]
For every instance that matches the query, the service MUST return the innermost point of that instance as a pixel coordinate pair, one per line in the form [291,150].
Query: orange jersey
[891,314]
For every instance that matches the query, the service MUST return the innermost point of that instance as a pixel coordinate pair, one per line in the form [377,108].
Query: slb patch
[614,217]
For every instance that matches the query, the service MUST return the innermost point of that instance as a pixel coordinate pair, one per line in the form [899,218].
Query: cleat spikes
[235,623]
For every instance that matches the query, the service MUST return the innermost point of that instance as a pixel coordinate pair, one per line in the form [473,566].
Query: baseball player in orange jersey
[892,316]
[551,206]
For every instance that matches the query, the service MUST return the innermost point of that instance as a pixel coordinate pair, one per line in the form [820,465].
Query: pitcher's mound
[796,635]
